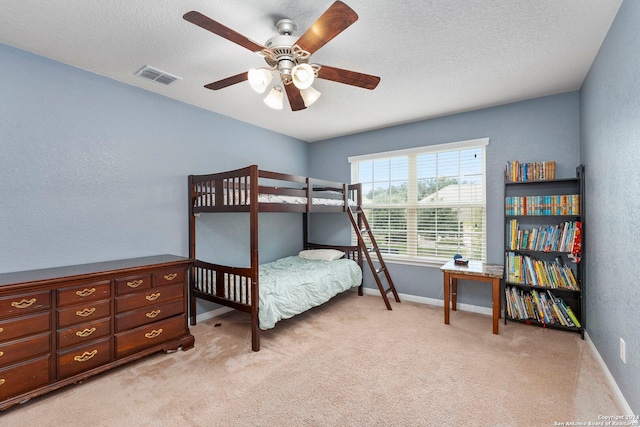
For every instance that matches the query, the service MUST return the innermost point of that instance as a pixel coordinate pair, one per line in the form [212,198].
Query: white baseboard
[436,302]
[612,382]
[213,313]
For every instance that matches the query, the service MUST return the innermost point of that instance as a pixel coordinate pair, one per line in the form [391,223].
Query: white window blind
[426,204]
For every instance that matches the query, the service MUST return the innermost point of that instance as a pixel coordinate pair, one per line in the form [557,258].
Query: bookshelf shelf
[544,325]
[540,217]
[542,288]
[544,230]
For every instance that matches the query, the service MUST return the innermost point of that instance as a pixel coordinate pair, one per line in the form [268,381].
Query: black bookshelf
[538,290]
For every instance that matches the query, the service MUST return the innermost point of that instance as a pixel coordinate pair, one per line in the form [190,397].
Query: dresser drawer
[150,335]
[167,277]
[83,313]
[83,358]
[150,297]
[128,284]
[150,314]
[84,332]
[26,348]
[24,377]
[85,293]
[24,326]
[17,305]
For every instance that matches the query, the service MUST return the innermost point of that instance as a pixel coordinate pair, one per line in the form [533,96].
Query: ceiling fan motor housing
[282,53]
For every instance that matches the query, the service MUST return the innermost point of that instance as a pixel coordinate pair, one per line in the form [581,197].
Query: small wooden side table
[475,271]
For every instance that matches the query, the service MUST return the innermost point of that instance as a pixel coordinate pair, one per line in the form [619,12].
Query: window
[426,204]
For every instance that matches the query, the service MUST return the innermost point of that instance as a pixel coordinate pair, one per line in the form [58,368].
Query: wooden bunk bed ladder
[369,246]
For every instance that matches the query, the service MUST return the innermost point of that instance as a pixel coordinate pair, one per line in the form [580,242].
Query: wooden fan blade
[221,84]
[217,28]
[332,22]
[347,77]
[295,99]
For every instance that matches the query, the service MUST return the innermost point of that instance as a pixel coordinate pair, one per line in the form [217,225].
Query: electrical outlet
[623,351]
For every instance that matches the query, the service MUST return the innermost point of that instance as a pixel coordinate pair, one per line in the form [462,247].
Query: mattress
[292,285]
[241,199]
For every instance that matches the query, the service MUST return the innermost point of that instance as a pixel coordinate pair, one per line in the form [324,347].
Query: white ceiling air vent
[157,75]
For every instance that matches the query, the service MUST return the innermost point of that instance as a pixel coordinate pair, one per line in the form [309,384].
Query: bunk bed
[252,190]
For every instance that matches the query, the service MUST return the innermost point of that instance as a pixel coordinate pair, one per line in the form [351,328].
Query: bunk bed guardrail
[236,191]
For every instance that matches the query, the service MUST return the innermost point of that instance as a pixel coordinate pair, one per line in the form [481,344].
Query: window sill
[389,259]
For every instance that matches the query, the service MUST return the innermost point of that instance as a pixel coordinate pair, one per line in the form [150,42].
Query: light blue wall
[610,150]
[92,169]
[536,130]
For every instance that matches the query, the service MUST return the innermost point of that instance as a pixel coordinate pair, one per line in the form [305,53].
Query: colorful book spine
[527,270]
[543,205]
[542,307]
[556,238]
[534,171]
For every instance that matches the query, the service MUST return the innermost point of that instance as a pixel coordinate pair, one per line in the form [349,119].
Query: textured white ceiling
[434,57]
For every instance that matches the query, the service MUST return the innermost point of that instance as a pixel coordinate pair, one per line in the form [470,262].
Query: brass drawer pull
[152,297]
[153,334]
[1,381]
[1,353]
[86,332]
[24,303]
[1,329]
[85,356]
[85,292]
[170,276]
[153,314]
[135,283]
[86,312]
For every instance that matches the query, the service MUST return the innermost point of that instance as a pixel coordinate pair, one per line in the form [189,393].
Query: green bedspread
[292,285]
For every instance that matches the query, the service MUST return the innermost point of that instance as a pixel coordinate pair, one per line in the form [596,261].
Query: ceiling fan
[289,57]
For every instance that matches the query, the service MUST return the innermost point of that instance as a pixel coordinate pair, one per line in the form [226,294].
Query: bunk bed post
[345,197]
[305,218]
[255,262]
[192,250]
[305,231]
[357,189]
[309,202]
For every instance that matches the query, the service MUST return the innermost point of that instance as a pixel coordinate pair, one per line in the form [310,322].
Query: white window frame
[412,258]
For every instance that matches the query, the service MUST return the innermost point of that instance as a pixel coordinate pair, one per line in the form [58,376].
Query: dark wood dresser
[61,325]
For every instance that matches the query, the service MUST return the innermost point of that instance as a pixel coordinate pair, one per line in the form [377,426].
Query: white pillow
[321,254]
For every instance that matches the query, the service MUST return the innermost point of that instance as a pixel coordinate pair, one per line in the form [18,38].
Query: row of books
[568,204]
[526,270]
[542,307]
[535,171]
[545,238]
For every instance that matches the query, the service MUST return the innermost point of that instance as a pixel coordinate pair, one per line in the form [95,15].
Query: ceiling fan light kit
[259,79]
[289,57]
[302,76]
[275,98]
[309,96]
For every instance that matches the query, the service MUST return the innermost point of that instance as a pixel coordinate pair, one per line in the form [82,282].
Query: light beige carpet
[350,362]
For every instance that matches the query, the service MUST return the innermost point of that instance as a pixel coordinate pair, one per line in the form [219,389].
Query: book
[571,314]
